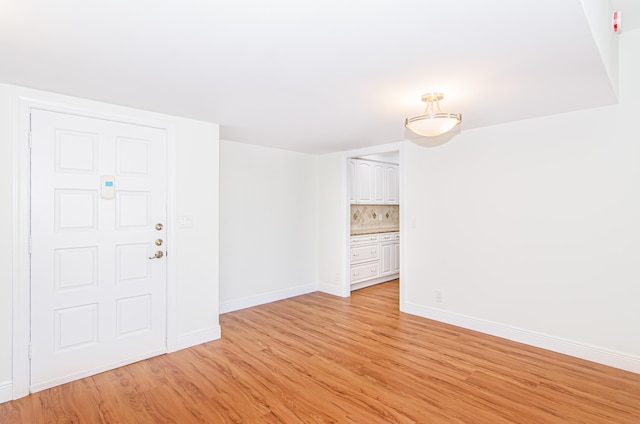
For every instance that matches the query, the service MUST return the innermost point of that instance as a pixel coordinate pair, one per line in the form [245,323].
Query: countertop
[374,231]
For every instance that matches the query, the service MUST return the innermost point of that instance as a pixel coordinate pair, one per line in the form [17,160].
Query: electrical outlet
[439,296]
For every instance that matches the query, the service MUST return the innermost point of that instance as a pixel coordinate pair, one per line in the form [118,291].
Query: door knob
[159,242]
[157,255]
[159,226]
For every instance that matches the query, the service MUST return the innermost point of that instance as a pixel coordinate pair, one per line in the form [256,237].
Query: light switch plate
[185,221]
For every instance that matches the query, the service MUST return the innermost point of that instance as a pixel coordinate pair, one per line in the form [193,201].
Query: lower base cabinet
[375,258]
[365,271]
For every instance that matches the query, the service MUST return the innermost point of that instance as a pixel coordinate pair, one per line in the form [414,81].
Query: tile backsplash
[374,218]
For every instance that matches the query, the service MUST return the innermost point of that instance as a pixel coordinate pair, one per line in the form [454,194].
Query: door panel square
[76,210]
[132,262]
[76,152]
[76,268]
[132,209]
[76,327]
[134,315]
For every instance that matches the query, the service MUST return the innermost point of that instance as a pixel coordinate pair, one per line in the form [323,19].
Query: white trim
[90,112]
[248,302]
[172,239]
[6,391]
[404,221]
[568,347]
[76,376]
[346,233]
[335,290]
[22,106]
[198,337]
[20,249]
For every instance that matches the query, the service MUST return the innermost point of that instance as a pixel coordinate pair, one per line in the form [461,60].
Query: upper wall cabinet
[353,188]
[373,182]
[391,186]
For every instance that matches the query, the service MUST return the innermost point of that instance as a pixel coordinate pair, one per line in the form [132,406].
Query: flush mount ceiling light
[433,121]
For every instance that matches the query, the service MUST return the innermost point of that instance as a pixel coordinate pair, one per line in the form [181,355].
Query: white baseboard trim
[6,391]
[333,290]
[93,371]
[556,344]
[261,299]
[197,337]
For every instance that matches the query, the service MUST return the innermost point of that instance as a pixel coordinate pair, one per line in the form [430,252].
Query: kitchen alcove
[374,244]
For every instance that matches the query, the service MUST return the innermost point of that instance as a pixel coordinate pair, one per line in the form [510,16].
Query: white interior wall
[196,250]
[599,14]
[268,224]
[6,238]
[197,198]
[333,224]
[530,229]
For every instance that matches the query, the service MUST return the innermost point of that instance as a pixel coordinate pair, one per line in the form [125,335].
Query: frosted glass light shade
[433,125]
[433,121]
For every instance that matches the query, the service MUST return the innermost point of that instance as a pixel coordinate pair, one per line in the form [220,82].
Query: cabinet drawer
[365,252]
[388,236]
[367,238]
[365,271]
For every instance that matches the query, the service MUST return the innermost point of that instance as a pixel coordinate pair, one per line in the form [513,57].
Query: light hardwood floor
[321,359]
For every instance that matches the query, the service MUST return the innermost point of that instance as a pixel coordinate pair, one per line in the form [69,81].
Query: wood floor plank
[322,359]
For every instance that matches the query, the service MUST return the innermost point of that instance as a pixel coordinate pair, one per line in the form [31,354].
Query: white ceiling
[317,75]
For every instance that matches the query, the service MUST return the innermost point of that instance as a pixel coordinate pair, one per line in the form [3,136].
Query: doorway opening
[374,219]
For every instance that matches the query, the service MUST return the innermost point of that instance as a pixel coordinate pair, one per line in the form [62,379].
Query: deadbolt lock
[159,226]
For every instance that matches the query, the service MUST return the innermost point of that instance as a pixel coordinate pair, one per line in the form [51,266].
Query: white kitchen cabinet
[367,252]
[374,259]
[396,254]
[364,272]
[373,183]
[353,188]
[365,257]
[365,239]
[387,253]
[391,186]
[364,186]
[378,183]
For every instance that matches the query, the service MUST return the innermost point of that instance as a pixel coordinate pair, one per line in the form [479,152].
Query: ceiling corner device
[433,121]
[616,21]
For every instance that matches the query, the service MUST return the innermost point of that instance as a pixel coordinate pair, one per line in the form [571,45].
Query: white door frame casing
[21,280]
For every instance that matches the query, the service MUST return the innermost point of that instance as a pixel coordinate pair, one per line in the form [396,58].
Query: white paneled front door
[98,191]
